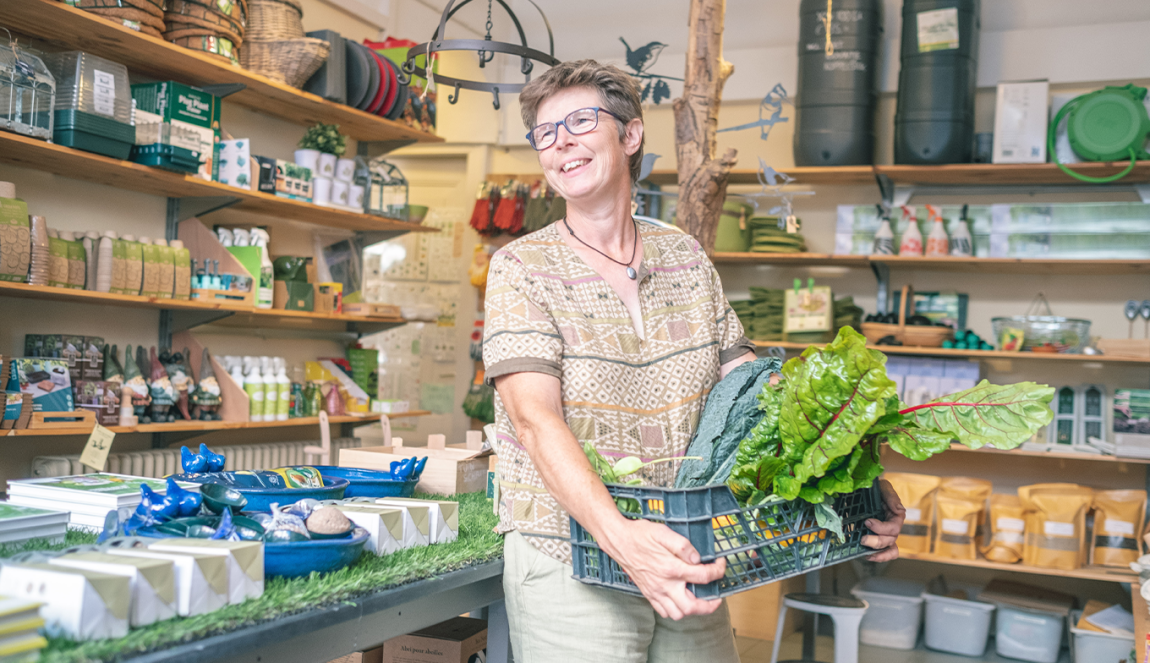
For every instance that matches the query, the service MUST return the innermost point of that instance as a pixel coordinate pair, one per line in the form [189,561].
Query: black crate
[761,544]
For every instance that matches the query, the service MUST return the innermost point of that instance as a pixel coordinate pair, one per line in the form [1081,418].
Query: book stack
[86,497]
[20,639]
[21,523]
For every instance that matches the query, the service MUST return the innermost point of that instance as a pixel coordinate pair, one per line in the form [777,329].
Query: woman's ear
[633,137]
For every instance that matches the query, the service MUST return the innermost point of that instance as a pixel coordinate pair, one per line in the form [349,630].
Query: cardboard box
[456,640]
[233,166]
[265,175]
[292,181]
[293,296]
[48,383]
[1020,121]
[328,297]
[15,240]
[449,470]
[94,395]
[369,656]
[177,114]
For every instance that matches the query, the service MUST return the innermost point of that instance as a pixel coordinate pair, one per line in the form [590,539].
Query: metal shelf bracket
[882,276]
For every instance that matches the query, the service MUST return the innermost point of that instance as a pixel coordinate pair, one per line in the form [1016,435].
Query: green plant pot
[729,238]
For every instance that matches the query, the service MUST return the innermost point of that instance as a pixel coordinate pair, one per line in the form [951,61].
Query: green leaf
[915,442]
[628,465]
[787,487]
[829,520]
[1001,417]
[832,398]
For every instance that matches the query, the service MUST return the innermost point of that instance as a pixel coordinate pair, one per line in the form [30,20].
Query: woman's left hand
[886,532]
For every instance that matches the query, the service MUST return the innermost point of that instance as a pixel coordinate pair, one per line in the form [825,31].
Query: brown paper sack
[1118,518]
[1006,539]
[1056,526]
[917,494]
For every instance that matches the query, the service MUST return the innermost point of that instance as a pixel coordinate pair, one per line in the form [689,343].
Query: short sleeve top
[548,312]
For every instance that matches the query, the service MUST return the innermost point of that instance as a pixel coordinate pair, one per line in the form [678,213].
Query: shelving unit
[970,354]
[958,265]
[1105,574]
[1053,455]
[206,426]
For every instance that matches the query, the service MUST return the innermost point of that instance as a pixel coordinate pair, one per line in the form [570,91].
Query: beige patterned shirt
[549,312]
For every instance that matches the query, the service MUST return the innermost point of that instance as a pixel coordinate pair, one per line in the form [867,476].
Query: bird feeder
[386,190]
[27,92]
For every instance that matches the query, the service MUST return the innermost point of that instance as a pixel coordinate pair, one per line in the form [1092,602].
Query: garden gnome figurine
[136,386]
[206,397]
[161,390]
[181,379]
[113,373]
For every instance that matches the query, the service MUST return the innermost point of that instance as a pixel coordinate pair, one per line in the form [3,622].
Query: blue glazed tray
[292,560]
[369,483]
[261,499]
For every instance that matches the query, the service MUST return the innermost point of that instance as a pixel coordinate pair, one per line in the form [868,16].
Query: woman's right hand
[661,563]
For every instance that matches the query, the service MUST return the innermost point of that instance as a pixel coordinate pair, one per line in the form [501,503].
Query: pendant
[631,273]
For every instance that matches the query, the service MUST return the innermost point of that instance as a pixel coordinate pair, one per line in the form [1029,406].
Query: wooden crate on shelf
[203,245]
[450,470]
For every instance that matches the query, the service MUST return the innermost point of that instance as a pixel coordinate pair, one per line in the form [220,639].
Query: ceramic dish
[373,74]
[384,83]
[400,102]
[393,93]
[357,76]
[299,558]
[369,483]
[261,499]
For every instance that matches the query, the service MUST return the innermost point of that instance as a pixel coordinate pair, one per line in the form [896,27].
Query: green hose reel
[1105,125]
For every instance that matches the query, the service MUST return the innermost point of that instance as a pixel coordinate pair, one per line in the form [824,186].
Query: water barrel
[835,99]
[934,121]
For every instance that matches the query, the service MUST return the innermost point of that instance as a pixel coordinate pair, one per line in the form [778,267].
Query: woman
[604,330]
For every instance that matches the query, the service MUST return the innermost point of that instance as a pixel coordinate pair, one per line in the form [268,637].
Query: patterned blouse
[549,312]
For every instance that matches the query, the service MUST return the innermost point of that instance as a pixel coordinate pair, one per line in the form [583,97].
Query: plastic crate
[955,625]
[171,157]
[761,544]
[93,133]
[1028,635]
[1095,647]
[894,612]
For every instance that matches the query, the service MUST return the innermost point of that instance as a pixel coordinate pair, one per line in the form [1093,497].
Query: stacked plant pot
[146,16]
[276,46]
[214,27]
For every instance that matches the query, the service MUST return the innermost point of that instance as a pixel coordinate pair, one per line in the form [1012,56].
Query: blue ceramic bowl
[261,499]
[293,560]
[368,483]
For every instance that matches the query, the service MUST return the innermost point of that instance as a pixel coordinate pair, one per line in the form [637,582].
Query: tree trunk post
[702,176]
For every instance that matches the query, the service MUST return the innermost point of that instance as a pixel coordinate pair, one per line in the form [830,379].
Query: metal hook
[451,99]
[485,57]
[526,66]
[409,65]
[495,93]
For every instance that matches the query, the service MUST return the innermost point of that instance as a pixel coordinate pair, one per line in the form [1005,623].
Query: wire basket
[1042,331]
[761,544]
[290,61]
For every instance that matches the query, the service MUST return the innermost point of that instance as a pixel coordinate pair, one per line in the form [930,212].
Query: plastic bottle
[911,244]
[254,386]
[166,268]
[283,386]
[106,262]
[884,238]
[264,288]
[937,243]
[226,237]
[271,388]
[242,237]
[961,243]
[235,369]
[91,244]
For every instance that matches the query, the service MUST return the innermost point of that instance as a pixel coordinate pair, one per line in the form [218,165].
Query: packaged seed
[1007,528]
[917,494]
[960,506]
[1118,518]
[1056,525]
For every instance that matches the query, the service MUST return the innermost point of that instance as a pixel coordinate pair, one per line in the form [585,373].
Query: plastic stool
[847,614]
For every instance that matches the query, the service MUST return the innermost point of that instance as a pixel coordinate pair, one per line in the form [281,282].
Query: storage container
[1095,647]
[895,613]
[955,625]
[91,84]
[170,157]
[93,133]
[1028,635]
[27,92]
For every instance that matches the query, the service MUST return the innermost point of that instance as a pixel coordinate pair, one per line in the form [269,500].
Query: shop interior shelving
[971,354]
[206,426]
[1086,573]
[945,264]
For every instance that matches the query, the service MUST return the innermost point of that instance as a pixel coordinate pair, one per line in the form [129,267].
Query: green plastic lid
[1107,123]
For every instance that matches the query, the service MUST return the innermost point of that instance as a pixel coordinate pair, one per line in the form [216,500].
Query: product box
[265,175]
[175,114]
[329,298]
[133,268]
[245,561]
[72,352]
[77,266]
[1020,121]
[119,267]
[78,604]
[47,381]
[293,296]
[233,165]
[182,270]
[365,369]
[1132,411]
[57,262]
[167,264]
[292,181]
[442,515]
[43,345]
[151,581]
[96,396]
[150,253]
[15,240]
[458,640]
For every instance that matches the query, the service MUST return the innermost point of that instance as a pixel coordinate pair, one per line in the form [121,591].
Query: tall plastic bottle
[961,243]
[937,242]
[264,290]
[254,386]
[106,263]
[271,389]
[91,244]
[235,369]
[283,386]
[883,239]
[911,244]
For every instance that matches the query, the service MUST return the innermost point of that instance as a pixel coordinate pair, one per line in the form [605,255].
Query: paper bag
[152,582]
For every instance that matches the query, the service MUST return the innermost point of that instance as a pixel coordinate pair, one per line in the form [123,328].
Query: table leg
[498,634]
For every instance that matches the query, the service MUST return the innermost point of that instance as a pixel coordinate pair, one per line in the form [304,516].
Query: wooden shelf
[75,29]
[36,154]
[970,354]
[801,175]
[305,321]
[958,265]
[197,426]
[1087,573]
[54,294]
[1052,455]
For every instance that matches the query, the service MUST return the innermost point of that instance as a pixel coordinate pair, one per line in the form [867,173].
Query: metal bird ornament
[640,60]
[770,112]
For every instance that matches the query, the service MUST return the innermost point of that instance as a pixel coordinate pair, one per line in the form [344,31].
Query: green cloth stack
[762,317]
[767,237]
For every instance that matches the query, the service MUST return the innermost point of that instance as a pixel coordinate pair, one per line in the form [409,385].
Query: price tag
[95,453]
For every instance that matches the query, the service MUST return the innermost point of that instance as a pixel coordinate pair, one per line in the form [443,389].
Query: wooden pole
[702,177]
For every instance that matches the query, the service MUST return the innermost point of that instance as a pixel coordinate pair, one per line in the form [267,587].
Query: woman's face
[590,165]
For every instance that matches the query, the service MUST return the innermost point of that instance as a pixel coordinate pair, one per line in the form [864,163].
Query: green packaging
[176,114]
[15,240]
[365,369]
[119,267]
[166,266]
[77,265]
[150,255]
[57,262]
[182,268]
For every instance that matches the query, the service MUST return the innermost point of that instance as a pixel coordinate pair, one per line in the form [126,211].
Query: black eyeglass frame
[563,123]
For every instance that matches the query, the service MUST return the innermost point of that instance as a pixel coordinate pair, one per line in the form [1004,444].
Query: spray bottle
[961,244]
[937,243]
[283,387]
[264,290]
[254,386]
[884,237]
[911,244]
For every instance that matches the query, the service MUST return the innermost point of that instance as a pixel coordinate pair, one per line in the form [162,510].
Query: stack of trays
[41,260]
[93,110]
[21,523]
[767,237]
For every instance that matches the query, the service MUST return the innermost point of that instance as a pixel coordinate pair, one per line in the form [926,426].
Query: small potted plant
[320,148]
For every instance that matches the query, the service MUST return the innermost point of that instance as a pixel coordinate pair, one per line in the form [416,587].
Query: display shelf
[36,154]
[54,294]
[197,426]
[801,175]
[1054,455]
[1085,573]
[75,29]
[946,264]
[969,354]
[1141,623]
[308,322]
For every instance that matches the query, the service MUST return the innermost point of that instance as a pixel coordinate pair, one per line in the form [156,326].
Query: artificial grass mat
[477,543]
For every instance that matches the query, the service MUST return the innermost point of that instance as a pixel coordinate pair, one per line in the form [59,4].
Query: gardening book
[20,523]
[108,491]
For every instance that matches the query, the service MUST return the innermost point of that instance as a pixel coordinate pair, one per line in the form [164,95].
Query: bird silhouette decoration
[770,112]
[640,60]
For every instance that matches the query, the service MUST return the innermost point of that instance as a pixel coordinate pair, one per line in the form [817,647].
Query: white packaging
[245,560]
[1095,647]
[1020,121]
[443,517]
[201,580]
[81,605]
[1029,635]
[416,528]
[152,582]
[234,166]
[895,613]
[957,626]
[384,526]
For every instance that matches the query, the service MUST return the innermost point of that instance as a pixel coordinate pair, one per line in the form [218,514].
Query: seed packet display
[47,381]
[1118,518]
[1006,540]
[71,351]
[99,397]
[917,494]
[1056,525]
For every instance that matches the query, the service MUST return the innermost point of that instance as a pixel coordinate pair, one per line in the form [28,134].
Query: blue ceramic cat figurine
[215,461]
[191,462]
[187,502]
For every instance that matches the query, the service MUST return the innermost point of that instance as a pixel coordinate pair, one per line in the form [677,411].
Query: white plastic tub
[957,626]
[1028,635]
[895,613]
[1094,647]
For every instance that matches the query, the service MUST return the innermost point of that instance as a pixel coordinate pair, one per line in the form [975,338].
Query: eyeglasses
[577,122]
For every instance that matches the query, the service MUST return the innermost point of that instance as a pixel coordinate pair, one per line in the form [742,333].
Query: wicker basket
[148,6]
[119,15]
[180,29]
[926,337]
[208,44]
[271,20]
[291,61]
[186,14]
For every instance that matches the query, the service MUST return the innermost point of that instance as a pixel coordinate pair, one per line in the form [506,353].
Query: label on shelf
[955,526]
[938,30]
[104,93]
[95,454]
[1052,528]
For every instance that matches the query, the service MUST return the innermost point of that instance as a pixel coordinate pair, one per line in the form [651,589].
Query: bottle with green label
[254,386]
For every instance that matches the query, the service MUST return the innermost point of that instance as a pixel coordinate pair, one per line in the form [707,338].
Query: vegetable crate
[761,544]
